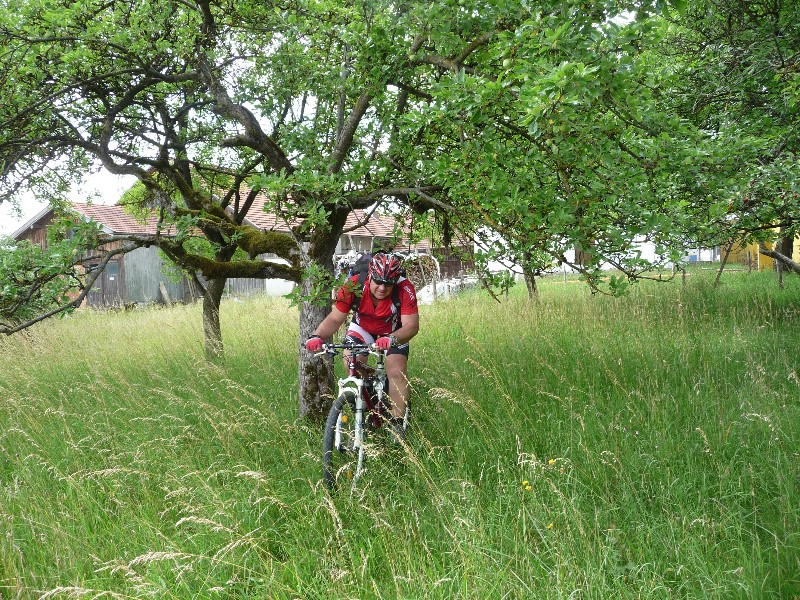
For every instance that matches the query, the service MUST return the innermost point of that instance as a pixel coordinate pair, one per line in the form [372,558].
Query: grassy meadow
[579,447]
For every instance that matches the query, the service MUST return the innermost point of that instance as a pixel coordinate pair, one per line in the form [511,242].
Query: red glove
[314,343]
[384,343]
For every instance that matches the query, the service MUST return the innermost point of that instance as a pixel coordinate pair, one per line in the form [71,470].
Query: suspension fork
[354,385]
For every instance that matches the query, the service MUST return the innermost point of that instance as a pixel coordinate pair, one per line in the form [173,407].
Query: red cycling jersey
[383,318]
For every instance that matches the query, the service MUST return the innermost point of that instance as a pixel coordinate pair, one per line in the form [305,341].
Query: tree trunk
[315,372]
[728,249]
[786,245]
[530,282]
[212,331]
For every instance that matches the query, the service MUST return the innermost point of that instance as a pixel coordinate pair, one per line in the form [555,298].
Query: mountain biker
[378,320]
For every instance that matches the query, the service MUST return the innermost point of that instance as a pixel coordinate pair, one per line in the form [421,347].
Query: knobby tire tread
[329,453]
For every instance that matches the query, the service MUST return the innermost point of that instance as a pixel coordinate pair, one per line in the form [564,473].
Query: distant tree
[38,283]
[735,70]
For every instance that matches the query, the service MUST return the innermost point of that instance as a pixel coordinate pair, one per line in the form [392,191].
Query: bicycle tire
[340,459]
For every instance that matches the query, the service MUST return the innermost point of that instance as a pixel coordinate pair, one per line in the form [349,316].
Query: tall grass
[576,447]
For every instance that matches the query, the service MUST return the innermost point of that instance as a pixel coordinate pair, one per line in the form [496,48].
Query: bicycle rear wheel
[340,458]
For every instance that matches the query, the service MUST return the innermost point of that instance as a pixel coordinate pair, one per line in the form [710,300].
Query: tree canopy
[735,75]
[552,125]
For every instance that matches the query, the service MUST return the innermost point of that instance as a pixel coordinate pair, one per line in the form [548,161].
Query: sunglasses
[386,282]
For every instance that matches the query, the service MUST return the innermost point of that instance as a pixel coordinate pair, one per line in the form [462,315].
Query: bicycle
[361,407]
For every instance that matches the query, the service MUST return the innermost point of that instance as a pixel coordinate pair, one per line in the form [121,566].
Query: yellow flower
[549,525]
[552,461]
[524,483]
[528,488]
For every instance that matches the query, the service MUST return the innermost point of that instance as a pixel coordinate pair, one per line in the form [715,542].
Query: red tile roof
[369,226]
[357,224]
[377,226]
[381,226]
[260,219]
[115,219]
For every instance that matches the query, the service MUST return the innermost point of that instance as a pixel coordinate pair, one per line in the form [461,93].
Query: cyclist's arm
[330,324]
[409,316]
[409,329]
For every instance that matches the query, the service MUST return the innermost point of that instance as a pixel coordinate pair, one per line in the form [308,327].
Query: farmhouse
[363,232]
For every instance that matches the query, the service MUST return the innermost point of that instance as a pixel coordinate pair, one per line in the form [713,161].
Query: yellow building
[748,254]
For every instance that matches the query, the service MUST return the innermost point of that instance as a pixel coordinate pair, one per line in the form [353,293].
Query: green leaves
[732,88]
[554,125]
[321,282]
[35,280]
[575,144]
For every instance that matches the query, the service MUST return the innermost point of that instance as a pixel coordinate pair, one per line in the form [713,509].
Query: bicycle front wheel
[341,459]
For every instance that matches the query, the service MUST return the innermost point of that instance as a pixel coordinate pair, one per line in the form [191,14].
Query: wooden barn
[139,277]
[146,276]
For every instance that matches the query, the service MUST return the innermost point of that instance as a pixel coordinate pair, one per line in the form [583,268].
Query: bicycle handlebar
[333,348]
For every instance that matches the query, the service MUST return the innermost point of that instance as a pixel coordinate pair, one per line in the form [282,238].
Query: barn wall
[143,275]
[37,232]
[244,286]
[109,287]
[240,287]
[145,272]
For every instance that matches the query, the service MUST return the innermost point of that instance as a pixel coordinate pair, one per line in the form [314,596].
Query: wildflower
[552,461]
[550,525]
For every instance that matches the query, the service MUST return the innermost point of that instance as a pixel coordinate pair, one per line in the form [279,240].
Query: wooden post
[164,293]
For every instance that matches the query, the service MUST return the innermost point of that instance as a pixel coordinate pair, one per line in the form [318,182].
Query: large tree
[596,134]
[483,111]
[207,103]
[563,142]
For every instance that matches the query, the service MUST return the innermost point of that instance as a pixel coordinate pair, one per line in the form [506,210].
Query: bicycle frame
[357,383]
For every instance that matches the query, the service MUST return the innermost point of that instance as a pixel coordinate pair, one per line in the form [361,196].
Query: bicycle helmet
[384,268]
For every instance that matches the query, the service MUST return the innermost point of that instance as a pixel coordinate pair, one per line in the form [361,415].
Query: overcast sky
[102,188]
